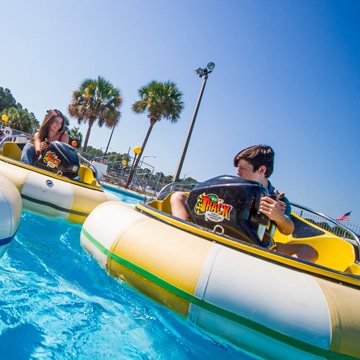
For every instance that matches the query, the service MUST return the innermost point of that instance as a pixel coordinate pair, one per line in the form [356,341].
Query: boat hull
[10,210]
[53,196]
[256,304]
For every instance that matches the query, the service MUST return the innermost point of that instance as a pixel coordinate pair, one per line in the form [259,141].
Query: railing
[175,186]
[15,137]
[327,223]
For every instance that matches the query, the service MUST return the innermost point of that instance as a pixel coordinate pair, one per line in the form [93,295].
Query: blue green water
[57,303]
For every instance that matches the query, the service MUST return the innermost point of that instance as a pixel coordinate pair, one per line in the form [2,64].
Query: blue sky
[287,74]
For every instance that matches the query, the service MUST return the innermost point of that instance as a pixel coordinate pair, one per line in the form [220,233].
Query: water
[57,303]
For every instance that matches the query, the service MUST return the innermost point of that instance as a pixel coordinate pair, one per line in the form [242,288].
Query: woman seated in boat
[256,163]
[52,129]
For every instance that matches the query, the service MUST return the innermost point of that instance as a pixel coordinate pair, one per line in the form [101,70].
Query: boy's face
[246,171]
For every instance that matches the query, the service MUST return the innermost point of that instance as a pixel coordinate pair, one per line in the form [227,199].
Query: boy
[256,163]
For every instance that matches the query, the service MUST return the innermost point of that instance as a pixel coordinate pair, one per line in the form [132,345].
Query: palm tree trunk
[152,123]
[107,148]
[91,122]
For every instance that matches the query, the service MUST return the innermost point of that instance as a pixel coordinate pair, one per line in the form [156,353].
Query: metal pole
[178,171]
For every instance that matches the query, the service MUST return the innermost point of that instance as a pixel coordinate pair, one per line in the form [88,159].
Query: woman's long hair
[50,116]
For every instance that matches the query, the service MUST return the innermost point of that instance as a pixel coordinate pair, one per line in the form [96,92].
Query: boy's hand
[274,209]
[282,203]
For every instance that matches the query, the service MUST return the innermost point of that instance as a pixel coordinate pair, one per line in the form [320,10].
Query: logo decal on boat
[51,159]
[212,208]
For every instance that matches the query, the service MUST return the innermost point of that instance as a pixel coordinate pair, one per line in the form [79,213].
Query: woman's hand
[43,146]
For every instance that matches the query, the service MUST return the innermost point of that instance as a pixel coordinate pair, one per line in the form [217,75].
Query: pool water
[57,303]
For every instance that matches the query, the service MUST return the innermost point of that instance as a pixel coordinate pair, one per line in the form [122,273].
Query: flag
[345,217]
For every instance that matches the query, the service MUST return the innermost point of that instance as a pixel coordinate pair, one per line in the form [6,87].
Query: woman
[52,129]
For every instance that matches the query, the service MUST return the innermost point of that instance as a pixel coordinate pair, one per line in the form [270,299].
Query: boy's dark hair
[257,155]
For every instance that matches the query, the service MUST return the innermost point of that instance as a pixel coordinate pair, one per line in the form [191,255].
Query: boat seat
[353,269]
[334,252]
[87,176]
[162,205]
[12,150]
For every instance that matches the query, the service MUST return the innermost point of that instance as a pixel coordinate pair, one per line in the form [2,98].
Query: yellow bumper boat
[273,305]
[48,191]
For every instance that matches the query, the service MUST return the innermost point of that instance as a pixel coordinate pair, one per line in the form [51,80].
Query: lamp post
[203,73]
[137,151]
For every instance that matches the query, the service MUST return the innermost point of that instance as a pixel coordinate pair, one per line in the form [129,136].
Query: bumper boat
[220,273]
[10,210]
[57,186]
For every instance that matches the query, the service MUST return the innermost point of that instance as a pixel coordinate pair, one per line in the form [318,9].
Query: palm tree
[96,100]
[160,100]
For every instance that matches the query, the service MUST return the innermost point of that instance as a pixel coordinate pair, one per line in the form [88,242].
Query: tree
[189,179]
[6,99]
[96,100]
[160,100]
[21,120]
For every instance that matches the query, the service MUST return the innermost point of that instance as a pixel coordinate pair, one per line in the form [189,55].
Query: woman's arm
[65,138]
[37,144]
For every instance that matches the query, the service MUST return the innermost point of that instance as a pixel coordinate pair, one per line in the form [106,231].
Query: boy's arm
[274,210]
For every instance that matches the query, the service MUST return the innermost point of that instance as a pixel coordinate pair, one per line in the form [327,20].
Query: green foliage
[160,100]
[6,99]
[18,118]
[76,135]
[96,100]
[189,179]
[93,151]
[21,120]
[160,174]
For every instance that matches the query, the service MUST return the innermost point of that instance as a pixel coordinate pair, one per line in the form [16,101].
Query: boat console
[60,158]
[230,205]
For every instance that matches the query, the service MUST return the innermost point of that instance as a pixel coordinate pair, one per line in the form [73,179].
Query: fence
[323,221]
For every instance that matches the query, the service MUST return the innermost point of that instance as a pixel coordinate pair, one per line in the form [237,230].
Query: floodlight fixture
[200,72]
[211,66]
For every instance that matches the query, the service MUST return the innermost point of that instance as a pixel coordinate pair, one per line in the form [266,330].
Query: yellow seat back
[163,205]
[11,150]
[87,176]
[334,252]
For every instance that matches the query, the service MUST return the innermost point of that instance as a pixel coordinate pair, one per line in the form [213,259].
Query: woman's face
[56,123]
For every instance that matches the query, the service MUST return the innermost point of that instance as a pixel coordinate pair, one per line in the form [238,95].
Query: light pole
[203,73]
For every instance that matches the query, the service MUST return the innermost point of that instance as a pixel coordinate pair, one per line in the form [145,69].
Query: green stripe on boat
[328,354]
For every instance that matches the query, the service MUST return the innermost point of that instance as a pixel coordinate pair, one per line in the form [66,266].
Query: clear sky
[287,74]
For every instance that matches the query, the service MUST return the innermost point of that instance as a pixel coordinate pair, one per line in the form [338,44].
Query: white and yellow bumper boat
[10,213]
[50,193]
[270,304]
